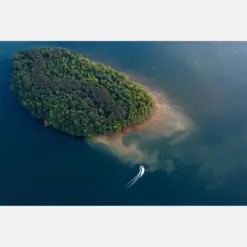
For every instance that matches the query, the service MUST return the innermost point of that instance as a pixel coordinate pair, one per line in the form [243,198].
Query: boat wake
[136,178]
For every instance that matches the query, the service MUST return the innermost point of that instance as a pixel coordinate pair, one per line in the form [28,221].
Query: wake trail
[138,174]
[136,178]
[133,181]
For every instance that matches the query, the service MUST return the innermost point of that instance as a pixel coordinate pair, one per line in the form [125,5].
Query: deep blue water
[40,166]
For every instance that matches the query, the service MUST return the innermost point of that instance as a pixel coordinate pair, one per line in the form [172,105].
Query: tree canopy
[77,95]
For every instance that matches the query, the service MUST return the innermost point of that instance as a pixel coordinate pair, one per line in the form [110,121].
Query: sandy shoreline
[153,117]
[165,121]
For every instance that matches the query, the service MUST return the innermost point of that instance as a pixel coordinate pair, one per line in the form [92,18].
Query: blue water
[40,166]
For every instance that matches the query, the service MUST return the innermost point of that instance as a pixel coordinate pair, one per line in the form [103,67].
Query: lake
[207,81]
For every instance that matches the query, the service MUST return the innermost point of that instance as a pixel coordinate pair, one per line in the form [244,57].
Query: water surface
[40,166]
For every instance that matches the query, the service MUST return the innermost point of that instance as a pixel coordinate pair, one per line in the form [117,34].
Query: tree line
[77,95]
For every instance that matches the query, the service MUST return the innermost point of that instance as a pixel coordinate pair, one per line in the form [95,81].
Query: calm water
[40,166]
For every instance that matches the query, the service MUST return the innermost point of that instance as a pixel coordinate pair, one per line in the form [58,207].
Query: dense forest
[77,95]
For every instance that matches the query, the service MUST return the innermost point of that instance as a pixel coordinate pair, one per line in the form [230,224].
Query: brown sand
[164,122]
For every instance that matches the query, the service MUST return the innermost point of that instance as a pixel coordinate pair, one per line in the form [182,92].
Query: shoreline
[156,103]
[164,121]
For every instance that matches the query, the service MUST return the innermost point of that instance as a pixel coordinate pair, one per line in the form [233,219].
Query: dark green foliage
[76,95]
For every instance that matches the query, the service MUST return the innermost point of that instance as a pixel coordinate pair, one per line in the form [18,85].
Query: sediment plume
[166,121]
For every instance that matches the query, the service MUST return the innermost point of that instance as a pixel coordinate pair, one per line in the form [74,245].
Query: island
[76,95]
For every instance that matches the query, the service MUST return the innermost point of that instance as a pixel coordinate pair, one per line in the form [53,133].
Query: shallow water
[205,82]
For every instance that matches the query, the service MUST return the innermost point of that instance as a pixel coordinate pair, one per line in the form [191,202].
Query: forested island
[76,95]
